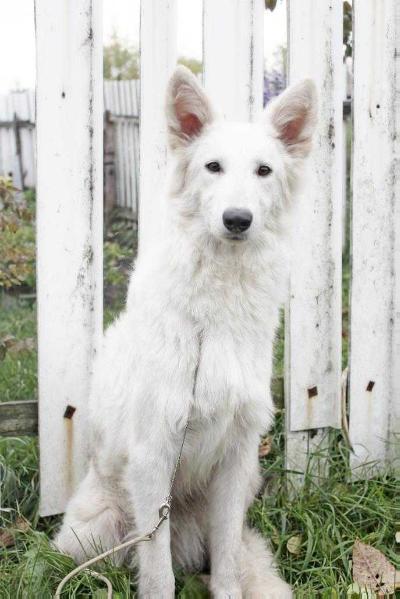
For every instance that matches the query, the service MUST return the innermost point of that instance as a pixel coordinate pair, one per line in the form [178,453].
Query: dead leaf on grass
[265,447]
[294,545]
[7,535]
[14,346]
[27,344]
[373,570]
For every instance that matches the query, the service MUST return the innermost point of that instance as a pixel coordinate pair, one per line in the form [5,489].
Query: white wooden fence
[69,151]
[18,138]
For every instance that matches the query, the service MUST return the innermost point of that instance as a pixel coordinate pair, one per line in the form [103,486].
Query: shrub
[17,237]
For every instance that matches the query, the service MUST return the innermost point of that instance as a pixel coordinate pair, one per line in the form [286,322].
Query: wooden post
[313,317]
[18,178]
[69,234]
[234,70]
[157,61]
[375,297]
[110,190]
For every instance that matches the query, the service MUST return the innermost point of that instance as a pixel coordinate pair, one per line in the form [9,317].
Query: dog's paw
[224,591]
[275,588]
[156,588]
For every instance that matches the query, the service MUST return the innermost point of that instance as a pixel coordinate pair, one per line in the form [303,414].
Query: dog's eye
[214,167]
[264,170]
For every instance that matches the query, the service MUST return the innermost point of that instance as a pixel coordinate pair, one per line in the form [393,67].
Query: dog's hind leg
[94,521]
[258,576]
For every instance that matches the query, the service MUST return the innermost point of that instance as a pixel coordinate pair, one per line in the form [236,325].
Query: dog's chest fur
[235,311]
[194,343]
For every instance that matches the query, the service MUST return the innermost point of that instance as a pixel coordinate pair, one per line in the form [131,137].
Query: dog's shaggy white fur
[195,343]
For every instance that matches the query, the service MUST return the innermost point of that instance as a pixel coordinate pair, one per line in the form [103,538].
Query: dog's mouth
[235,236]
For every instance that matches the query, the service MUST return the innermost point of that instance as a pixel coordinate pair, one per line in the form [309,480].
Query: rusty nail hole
[370,385]
[312,392]
[69,412]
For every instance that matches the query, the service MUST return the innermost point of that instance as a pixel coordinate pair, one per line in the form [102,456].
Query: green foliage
[120,61]
[270,4]
[17,241]
[18,370]
[191,63]
[120,246]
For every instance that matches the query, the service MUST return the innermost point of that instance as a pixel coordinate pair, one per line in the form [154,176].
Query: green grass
[18,371]
[328,516]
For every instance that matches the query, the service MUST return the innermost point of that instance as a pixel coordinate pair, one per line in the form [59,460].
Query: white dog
[195,344]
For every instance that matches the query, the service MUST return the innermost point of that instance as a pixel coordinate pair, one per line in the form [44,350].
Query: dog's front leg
[149,484]
[231,492]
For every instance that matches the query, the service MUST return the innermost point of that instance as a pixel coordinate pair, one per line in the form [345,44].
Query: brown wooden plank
[18,418]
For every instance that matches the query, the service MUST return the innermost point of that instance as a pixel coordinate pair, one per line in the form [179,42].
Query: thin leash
[163,514]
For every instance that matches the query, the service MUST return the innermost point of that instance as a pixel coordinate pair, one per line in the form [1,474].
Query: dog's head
[232,180]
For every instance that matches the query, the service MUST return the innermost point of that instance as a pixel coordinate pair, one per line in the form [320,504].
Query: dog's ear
[293,116]
[188,108]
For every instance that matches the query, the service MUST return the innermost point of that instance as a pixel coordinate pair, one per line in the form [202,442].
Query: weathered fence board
[375,298]
[313,318]
[18,418]
[157,61]
[233,70]
[69,234]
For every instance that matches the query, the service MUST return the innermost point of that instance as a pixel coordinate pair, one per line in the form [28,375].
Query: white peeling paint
[233,56]
[157,61]
[313,319]
[69,233]
[375,298]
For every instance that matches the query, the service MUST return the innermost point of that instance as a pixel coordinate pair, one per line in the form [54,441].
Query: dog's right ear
[188,108]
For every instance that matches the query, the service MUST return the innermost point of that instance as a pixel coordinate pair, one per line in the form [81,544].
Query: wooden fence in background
[69,129]
[121,143]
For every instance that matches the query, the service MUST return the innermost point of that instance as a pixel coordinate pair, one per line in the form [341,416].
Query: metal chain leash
[163,515]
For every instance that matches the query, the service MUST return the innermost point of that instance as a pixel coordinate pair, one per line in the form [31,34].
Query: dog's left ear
[188,108]
[293,116]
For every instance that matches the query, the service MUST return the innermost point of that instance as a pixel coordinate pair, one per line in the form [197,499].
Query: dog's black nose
[237,220]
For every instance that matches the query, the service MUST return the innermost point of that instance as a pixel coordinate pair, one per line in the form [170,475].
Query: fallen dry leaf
[265,447]
[294,545]
[27,344]
[12,345]
[7,535]
[373,570]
